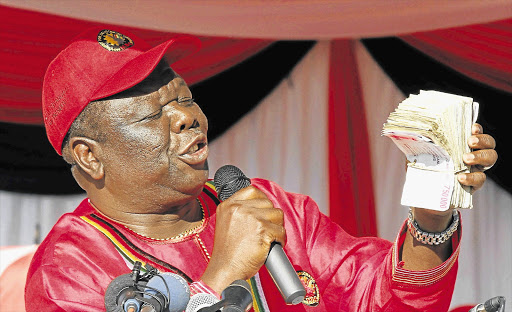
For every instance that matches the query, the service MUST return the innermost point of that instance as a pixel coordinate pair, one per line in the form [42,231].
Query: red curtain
[351,201]
[29,41]
[481,52]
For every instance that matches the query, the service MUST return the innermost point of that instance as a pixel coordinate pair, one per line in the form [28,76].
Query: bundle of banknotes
[432,128]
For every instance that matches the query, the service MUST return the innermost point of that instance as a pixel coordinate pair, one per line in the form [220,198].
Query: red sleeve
[72,268]
[201,287]
[49,284]
[358,274]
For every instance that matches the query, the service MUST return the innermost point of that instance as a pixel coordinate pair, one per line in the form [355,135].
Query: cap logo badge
[114,41]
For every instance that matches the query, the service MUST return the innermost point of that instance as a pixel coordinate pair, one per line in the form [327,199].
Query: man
[136,142]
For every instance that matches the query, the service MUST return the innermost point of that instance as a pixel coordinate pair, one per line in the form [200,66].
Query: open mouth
[196,153]
[194,148]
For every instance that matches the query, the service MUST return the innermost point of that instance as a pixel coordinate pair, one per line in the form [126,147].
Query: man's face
[155,149]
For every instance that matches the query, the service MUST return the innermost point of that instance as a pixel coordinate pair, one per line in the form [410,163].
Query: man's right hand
[247,224]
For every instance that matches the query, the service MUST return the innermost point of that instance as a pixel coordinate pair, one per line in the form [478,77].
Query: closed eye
[185,101]
[155,115]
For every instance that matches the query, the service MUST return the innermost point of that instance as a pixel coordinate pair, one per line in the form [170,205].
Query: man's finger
[482,158]
[274,215]
[476,128]
[249,192]
[275,233]
[474,179]
[481,141]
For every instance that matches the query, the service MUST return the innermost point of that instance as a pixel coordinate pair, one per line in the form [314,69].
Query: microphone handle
[284,275]
[228,180]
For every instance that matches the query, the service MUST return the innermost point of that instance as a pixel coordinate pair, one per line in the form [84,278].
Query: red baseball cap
[99,63]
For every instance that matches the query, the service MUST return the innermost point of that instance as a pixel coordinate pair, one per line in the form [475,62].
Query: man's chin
[201,167]
[202,172]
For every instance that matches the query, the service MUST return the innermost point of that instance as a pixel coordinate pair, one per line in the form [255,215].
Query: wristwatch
[432,238]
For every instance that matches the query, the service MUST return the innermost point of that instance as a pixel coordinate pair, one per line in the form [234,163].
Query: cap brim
[142,65]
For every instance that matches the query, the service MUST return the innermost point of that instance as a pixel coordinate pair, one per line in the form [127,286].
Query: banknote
[432,128]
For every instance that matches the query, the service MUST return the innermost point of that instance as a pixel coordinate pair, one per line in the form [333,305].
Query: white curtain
[285,138]
[294,19]
[27,218]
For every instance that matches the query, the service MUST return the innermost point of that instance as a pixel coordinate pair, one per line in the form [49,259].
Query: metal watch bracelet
[432,238]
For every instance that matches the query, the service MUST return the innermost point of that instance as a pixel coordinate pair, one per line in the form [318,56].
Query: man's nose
[182,118]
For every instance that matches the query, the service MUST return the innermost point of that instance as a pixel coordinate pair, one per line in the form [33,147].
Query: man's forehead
[159,77]
[144,100]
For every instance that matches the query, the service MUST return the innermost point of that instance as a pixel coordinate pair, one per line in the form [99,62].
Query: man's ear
[86,154]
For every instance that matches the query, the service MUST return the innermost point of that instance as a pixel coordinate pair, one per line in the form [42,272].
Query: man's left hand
[417,256]
[482,158]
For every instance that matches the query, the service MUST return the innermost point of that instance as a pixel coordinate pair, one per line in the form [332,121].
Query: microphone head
[201,300]
[237,296]
[245,287]
[119,290]
[228,180]
[496,304]
[173,287]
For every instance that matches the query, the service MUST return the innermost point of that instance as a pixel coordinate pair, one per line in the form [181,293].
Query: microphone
[169,288]
[228,180]
[496,304]
[148,292]
[201,300]
[235,298]
[121,290]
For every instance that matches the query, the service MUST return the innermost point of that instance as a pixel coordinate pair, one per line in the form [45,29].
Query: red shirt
[85,251]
